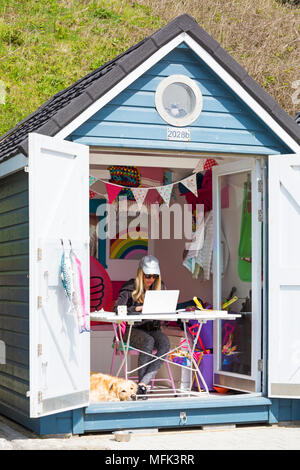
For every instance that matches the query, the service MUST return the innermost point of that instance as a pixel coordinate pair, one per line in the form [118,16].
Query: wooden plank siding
[225,124]
[14,292]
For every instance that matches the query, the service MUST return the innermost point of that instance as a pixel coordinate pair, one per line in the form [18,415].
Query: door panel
[59,210]
[284,276]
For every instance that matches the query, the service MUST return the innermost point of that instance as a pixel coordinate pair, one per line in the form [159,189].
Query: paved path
[260,437]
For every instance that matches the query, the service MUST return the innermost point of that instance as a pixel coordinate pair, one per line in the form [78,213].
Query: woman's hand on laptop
[139,309]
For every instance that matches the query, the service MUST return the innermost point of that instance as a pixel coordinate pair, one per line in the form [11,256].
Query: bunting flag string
[112,191]
[93,180]
[139,195]
[165,191]
[191,183]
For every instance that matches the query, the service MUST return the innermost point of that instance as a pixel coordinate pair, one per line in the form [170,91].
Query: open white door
[59,209]
[284,276]
[237,205]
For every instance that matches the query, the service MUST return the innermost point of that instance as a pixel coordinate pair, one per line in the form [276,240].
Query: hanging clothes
[204,192]
[245,243]
[198,260]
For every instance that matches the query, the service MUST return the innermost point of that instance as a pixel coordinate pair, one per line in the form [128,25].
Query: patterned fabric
[125,176]
[139,195]
[210,162]
[199,262]
[165,192]
[191,183]
[92,180]
[183,189]
[92,194]
[199,166]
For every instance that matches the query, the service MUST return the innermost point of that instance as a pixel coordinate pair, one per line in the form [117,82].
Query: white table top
[200,315]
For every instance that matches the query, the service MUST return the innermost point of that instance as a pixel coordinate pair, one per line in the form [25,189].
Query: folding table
[185,316]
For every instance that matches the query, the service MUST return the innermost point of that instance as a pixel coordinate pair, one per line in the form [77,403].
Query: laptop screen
[160,301]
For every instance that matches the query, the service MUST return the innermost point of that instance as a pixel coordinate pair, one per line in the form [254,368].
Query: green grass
[46,45]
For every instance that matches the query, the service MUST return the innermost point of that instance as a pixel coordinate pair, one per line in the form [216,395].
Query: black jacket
[125,298]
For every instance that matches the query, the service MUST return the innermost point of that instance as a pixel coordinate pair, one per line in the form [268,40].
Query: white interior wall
[175,275]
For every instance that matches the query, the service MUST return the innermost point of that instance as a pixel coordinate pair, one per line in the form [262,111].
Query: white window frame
[189,118]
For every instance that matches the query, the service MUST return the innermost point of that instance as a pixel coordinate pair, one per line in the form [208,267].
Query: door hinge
[39,301]
[39,254]
[40,397]
[260,365]
[260,215]
[260,186]
[39,349]
[26,169]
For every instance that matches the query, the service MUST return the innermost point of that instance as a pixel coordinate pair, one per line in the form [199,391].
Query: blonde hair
[138,294]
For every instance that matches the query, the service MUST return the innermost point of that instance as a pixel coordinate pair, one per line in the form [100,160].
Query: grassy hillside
[46,45]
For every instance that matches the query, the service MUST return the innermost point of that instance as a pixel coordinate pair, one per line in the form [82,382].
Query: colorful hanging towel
[72,285]
[67,277]
[67,274]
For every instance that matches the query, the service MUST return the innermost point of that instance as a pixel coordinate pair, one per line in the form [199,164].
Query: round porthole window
[178,100]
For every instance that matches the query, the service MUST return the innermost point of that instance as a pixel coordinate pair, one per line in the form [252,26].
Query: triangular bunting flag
[93,180]
[165,192]
[112,191]
[199,166]
[139,195]
[92,194]
[209,163]
[191,183]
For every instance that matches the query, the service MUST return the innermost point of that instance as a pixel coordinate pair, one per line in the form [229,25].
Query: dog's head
[124,390]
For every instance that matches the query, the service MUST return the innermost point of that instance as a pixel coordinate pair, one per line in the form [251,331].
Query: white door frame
[233,380]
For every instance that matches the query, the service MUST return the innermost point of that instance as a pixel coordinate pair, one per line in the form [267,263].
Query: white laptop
[160,301]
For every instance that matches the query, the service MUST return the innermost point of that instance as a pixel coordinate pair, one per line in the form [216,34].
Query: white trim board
[212,64]
[157,161]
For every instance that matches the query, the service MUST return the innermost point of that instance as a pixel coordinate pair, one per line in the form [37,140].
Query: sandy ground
[253,437]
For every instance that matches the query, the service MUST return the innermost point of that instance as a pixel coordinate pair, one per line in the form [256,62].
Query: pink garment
[204,193]
[84,313]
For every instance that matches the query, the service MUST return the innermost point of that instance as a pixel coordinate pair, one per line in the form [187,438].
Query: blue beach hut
[169,102]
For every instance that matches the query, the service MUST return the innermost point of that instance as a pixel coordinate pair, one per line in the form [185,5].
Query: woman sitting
[145,335]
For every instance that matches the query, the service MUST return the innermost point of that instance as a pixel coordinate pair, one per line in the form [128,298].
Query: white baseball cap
[149,265]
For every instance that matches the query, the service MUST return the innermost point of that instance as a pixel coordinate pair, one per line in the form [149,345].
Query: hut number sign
[179,133]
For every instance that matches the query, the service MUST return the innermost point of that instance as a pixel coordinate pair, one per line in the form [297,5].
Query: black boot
[141,392]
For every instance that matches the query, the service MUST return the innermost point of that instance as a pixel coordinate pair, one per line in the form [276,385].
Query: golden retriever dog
[104,387]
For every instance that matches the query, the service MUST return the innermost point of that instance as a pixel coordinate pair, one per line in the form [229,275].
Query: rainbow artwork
[129,248]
